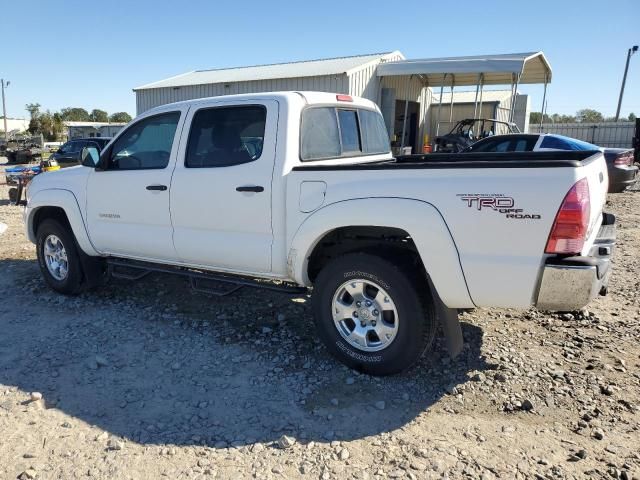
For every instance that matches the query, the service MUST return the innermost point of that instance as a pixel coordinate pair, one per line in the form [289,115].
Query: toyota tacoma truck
[299,190]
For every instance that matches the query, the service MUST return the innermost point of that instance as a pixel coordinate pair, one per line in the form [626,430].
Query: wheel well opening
[386,242]
[54,213]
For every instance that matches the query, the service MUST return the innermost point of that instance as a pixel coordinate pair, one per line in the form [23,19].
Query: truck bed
[500,254]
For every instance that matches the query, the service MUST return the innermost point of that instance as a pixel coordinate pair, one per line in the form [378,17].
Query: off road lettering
[496,202]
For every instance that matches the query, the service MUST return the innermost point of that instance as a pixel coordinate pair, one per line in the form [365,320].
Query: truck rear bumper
[570,283]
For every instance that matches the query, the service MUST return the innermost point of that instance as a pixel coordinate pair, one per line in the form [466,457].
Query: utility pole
[4,109]
[630,52]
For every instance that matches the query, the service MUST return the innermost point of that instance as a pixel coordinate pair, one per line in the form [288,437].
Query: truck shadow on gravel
[153,363]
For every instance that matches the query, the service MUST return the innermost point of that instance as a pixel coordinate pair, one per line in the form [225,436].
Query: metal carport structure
[479,70]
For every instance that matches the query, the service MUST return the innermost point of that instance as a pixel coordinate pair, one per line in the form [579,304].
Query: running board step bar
[136,270]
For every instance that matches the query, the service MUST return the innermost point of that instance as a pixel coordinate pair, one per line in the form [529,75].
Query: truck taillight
[572,221]
[624,158]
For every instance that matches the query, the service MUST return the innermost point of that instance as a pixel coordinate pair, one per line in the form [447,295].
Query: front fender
[67,201]
[421,220]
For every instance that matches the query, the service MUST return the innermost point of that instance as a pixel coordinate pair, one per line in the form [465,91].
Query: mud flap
[93,270]
[450,324]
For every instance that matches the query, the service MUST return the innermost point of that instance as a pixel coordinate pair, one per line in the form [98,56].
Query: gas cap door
[312,195]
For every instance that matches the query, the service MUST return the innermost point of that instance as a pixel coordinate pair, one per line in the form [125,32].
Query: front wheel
[58,257]
[372,314]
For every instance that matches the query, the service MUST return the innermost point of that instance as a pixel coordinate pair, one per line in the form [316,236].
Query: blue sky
[91,54]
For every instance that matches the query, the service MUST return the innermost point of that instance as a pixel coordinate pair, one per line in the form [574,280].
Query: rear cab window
[226,136]
[334,132]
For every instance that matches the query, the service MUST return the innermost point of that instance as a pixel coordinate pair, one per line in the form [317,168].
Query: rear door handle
[250,188]
[162,188]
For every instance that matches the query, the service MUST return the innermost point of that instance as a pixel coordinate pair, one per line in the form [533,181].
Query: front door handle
[162,188]
[250,188]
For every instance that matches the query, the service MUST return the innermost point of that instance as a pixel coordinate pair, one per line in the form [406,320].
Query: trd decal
[496,202]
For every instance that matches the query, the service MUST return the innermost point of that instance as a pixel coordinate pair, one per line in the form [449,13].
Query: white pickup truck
[301,188]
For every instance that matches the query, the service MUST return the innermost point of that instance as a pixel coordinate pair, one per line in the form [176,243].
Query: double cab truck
[299,190]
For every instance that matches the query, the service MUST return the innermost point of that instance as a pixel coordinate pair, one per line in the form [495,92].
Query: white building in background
[92,129]
[17,125]
[356,75]
[496,105]
[349,75]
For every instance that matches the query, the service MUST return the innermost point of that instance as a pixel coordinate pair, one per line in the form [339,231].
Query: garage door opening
[406,120]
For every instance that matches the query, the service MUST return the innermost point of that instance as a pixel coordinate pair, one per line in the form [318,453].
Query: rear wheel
[372,314]
[58,257]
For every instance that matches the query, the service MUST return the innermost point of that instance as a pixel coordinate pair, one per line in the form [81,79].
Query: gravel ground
[150,380]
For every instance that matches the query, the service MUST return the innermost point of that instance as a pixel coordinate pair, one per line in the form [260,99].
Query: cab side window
[226,136]
[146,144]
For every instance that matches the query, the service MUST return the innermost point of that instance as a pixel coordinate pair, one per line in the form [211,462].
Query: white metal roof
[497,69]
[488,96]
[92,124]
[310,68]
[309,97]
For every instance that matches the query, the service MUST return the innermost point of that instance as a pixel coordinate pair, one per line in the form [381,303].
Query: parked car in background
[70,151]
[622,171]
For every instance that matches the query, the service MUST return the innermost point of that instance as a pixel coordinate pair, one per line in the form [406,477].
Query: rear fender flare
[421,220]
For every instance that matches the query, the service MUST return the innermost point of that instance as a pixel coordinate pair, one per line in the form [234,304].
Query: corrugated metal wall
[495,110]
[603,134]
[460,112]
[147,99]
[413,90]
[365,83]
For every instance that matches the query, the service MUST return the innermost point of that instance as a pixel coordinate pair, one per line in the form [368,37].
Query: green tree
[33,109]
[48,124]
[75,114]
[588,115]
[34,126]
[45,125]
[566,119]
[98,115]
[534,118]
[57,127]
[632,117]
[120,117]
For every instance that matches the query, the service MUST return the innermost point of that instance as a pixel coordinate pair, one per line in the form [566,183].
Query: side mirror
[89,157]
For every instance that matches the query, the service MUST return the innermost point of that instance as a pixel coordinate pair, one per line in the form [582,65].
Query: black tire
[409,292]
[72,283]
